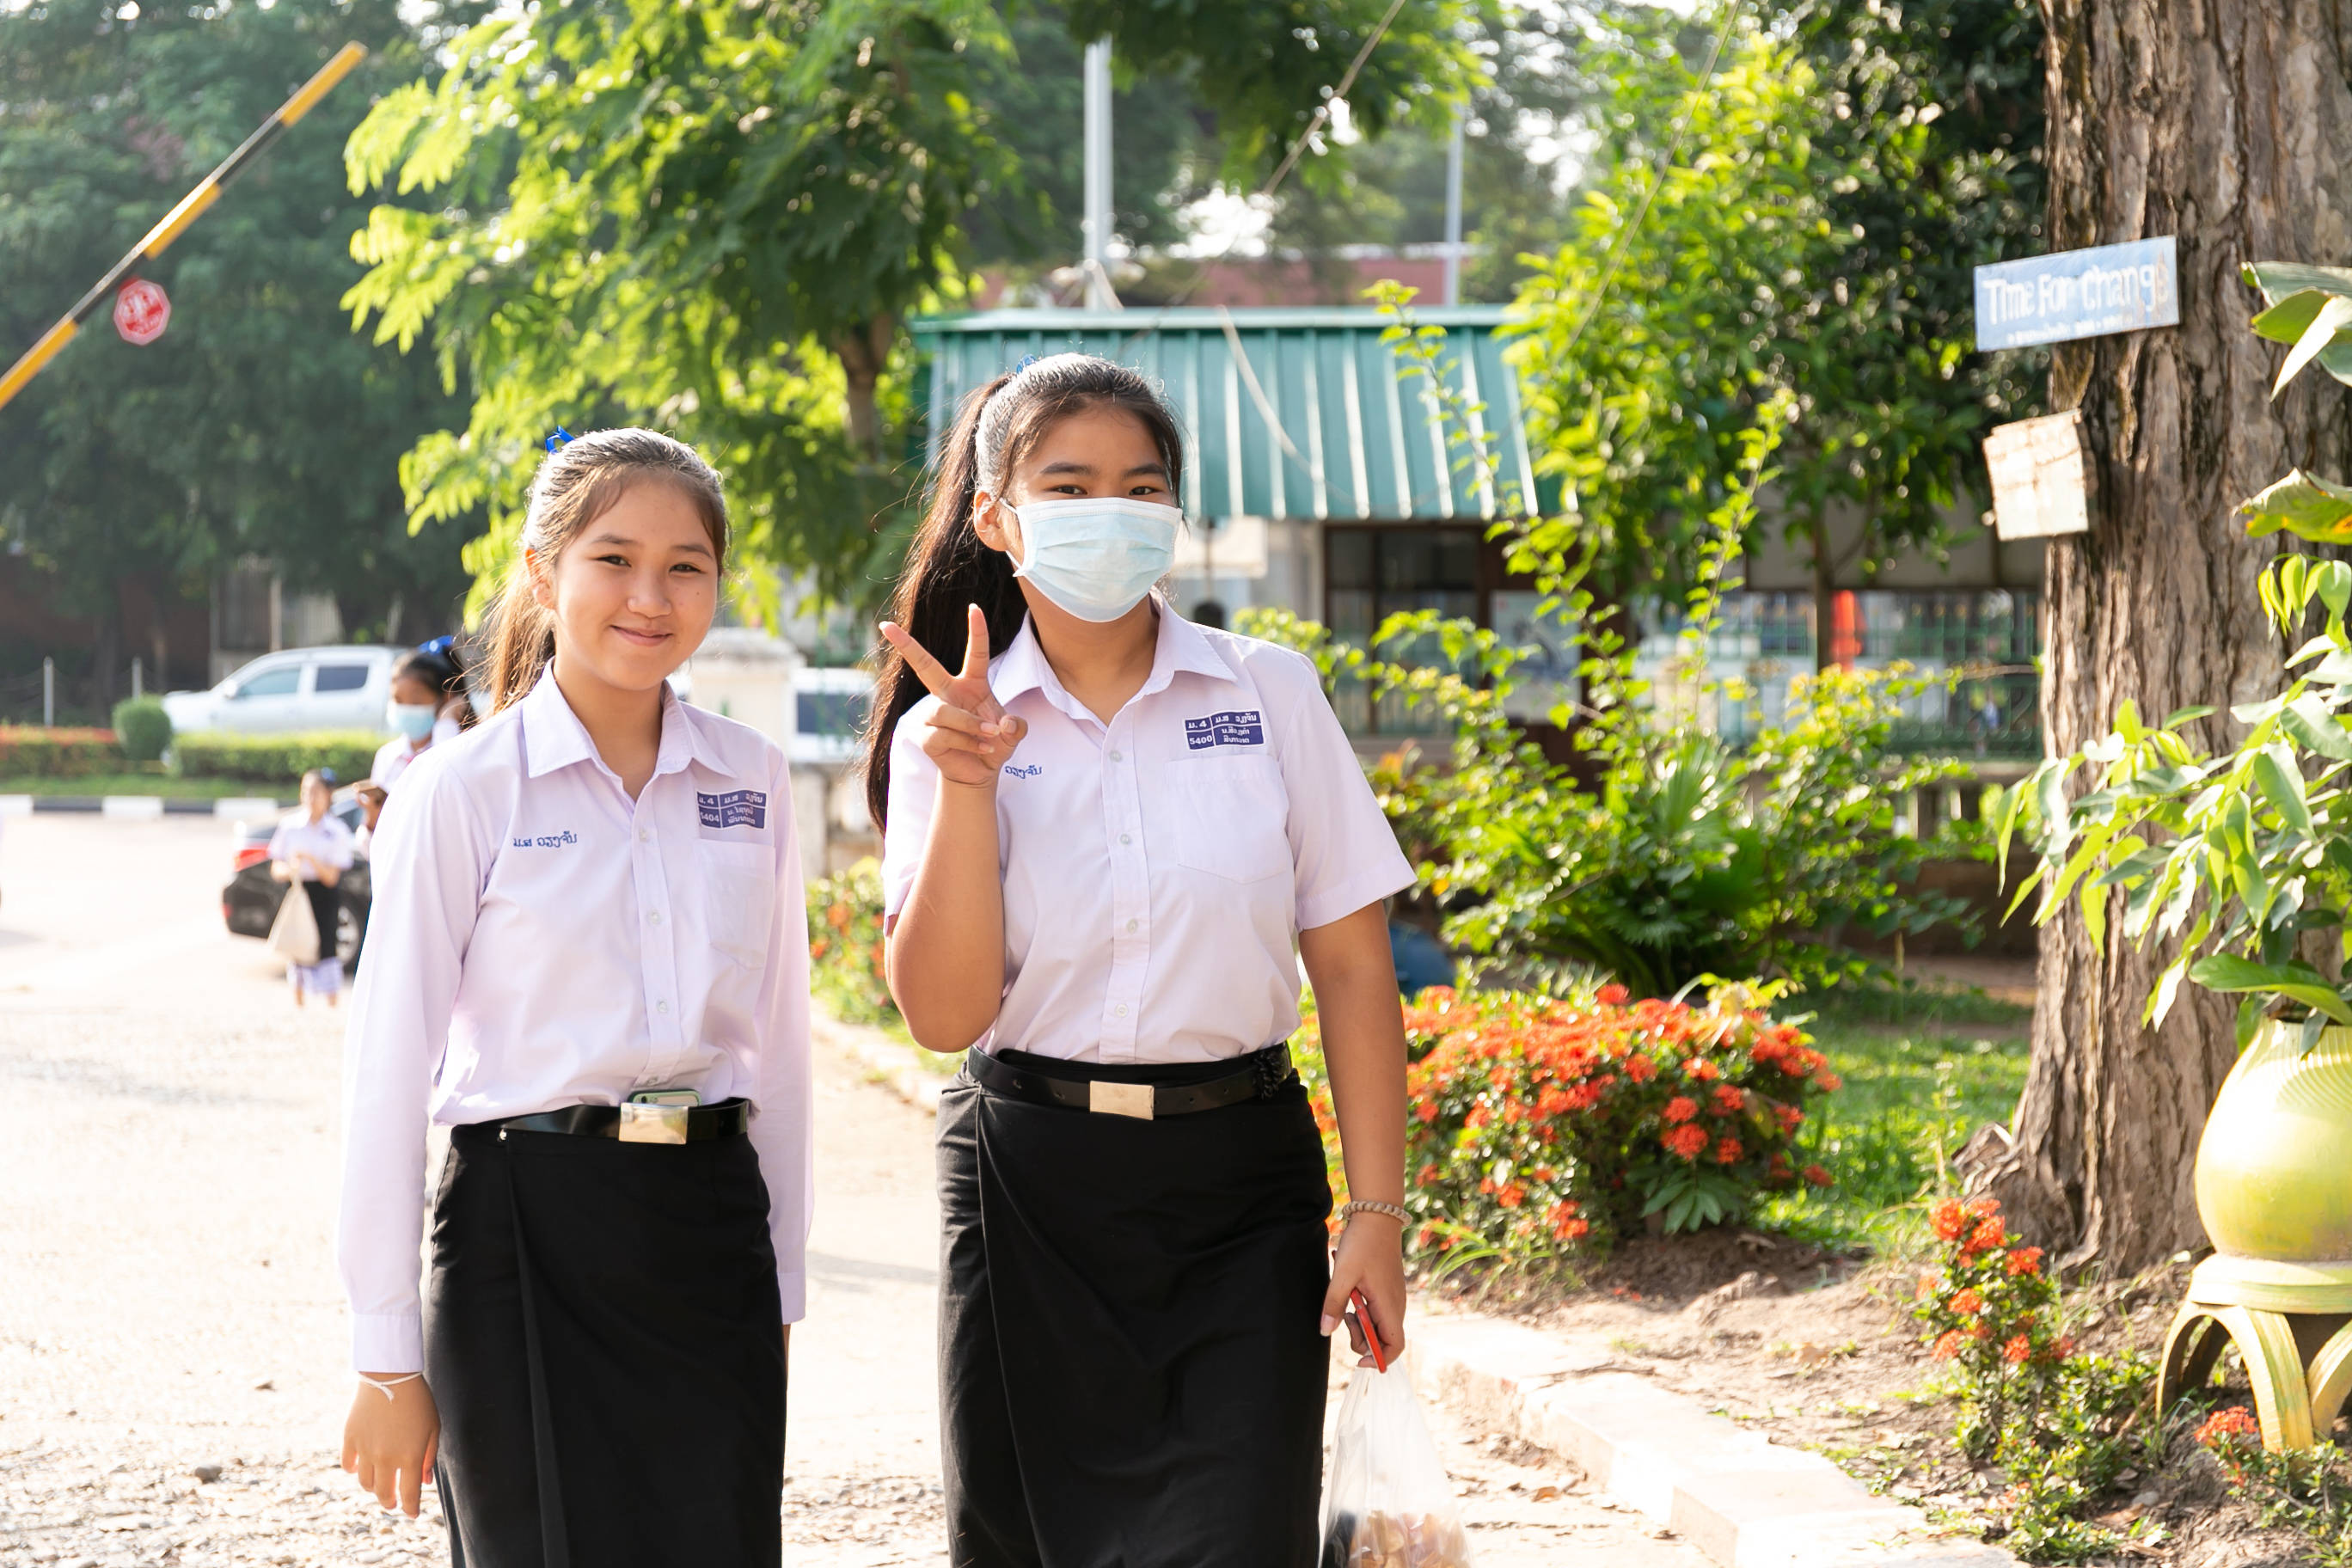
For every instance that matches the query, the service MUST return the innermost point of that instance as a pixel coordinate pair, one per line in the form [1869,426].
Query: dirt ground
[1819,1350]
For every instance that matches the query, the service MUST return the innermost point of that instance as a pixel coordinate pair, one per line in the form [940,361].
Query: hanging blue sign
[2078,294]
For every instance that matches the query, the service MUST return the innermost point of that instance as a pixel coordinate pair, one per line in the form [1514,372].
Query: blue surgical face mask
[1097,556]
[413,720]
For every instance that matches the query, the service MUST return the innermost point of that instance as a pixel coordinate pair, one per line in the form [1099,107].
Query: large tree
[2227,127]
[257,425]
[713,216]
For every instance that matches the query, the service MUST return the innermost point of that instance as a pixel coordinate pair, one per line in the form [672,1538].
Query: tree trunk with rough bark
[2228,124]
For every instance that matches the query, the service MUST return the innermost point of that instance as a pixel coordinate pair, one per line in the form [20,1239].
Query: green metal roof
[1330,430]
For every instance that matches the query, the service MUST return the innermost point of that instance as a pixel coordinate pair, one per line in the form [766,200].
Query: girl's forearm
[946,958]
[1363,1049]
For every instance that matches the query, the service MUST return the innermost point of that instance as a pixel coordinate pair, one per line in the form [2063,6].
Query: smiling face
[634,594]
[1098,452]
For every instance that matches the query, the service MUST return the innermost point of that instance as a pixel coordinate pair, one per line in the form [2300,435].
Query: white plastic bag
[1387,1503]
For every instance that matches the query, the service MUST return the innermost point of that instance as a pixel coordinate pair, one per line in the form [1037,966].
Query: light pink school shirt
[1159,869]
[540,940]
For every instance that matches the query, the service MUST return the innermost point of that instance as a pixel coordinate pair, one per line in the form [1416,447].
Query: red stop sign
[141,311]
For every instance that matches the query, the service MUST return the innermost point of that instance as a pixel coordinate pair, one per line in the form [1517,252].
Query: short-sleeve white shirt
[1159,869]
[327,840]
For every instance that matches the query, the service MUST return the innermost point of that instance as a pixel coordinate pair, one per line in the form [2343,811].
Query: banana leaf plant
[2243,855]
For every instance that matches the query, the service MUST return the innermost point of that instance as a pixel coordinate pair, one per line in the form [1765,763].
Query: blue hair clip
[561,438]
[437,647]
[1025,364]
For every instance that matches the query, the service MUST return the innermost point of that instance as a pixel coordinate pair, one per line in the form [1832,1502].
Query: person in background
[429,704]
[312,847]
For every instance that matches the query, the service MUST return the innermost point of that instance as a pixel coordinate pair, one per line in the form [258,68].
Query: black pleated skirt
[1132,1368]
[603,1335]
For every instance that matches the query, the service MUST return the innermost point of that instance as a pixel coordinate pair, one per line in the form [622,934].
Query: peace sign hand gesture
[970,736]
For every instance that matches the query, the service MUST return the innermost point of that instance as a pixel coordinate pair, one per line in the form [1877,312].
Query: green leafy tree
[1780,226]
[257,425]
[713,217]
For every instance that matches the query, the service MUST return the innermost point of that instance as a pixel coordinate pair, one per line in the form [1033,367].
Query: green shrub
[276,759]
[27,752]
[845,919]
[142,726]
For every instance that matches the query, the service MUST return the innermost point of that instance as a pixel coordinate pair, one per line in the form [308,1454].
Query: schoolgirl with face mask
[1111,837]
[429,703]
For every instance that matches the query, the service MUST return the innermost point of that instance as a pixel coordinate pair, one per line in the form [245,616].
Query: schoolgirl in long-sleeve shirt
[588,958]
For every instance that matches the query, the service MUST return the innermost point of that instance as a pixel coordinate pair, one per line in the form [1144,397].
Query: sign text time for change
[2078,294]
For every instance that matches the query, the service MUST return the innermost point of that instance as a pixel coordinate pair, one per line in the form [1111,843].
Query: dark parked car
[249,903]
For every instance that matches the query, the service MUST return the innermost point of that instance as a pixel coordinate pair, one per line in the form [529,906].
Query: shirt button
[662,1007]
[1123,838]
[654,919]
[1115,756]
[1122,1009]
[1131,925]
[644,836]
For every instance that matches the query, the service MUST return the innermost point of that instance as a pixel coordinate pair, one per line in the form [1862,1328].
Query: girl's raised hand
[970,736]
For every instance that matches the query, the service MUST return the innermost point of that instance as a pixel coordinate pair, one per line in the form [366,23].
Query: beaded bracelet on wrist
[1355,1206]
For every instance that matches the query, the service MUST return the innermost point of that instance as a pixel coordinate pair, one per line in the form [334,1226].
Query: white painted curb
[247,807]
[1744,1501]
[131,808]
[15,805]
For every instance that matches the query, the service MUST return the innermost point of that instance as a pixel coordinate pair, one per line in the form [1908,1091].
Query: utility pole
[1453,210]
[1099,295]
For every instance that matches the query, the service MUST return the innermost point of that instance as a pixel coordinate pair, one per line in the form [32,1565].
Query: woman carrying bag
[1107,848]
[310,852]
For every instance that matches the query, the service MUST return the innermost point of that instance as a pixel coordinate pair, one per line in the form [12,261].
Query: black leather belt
[1255,1077]
[639,1123]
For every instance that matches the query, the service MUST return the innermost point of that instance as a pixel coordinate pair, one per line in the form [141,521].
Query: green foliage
[712,218]
[143,728]
[26,752]
[2062,1426]
[2305,1489]
[277,760]
[844,920]
[257,425]
[1790,226]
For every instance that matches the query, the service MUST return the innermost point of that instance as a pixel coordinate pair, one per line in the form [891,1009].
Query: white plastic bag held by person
[1387,1503]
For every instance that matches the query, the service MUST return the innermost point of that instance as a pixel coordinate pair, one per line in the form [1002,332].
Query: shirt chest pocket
[739,898]
[1229,816]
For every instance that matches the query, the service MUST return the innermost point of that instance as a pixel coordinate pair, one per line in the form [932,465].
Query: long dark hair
[576,483]
[947,566]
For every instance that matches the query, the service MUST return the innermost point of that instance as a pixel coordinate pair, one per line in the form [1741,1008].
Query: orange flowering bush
[1536,1126]
[1988,1306]
[844,931]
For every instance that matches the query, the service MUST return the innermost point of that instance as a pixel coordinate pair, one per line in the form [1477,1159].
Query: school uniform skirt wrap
[1132,1370]
[602,1331]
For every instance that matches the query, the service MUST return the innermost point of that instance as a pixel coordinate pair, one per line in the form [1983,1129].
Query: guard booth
[1320,477]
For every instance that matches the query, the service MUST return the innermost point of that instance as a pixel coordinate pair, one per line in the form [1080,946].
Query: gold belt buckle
[1120,1099]
[652,1123]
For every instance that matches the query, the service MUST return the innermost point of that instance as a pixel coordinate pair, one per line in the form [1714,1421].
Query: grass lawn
[1923,1070]
[144,783]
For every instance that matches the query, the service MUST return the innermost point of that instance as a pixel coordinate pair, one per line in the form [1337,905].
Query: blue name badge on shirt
[736,808]
[1225,729]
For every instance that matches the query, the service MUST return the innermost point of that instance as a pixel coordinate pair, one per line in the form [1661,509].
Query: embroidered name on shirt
[1225,729]
[1031,771]
[545,841]
[736,808]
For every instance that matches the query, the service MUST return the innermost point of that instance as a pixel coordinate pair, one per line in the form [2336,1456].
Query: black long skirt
[603,1334]
[1132,1369]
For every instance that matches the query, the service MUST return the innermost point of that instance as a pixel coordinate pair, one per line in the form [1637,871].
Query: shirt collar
[1180,647]
[553,737]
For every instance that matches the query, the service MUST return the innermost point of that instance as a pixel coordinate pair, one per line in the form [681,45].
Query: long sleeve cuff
[393,1343]
[791,1288]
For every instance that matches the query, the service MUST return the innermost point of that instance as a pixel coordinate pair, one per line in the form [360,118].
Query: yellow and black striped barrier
[191,207]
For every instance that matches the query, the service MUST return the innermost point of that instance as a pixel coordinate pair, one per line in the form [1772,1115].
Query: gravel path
[171,1382]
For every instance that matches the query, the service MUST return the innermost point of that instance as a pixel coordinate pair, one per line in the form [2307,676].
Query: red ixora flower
[1949,1220]
[1641,1070]
[2025,1260]
[1680,1108]
[1988,1233]
[1949,1345]
[1727,1151]
[1818,1176]
[2018,1351]
[2223,1424]
[1686,1141]
[1967,1303]
[1729,1101]
[1611,995]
